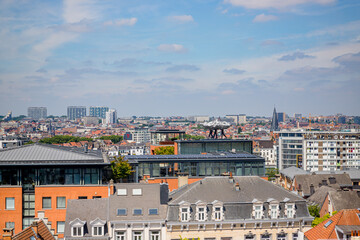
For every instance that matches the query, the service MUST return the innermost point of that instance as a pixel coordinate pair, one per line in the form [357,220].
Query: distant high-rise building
[37,113]
[342,119]
[98,111]
[238,119]
[357,120]
[111,116]
[274,122]
[281,117]
[297,115]
[75,112]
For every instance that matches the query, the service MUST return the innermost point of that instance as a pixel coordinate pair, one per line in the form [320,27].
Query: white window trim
[293,209]
[277,211]
[77,223]
[261,210]
[182,205]
[215,212]
[118,235]
[198,213]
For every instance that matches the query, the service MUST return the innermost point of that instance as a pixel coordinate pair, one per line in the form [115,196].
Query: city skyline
[181,58]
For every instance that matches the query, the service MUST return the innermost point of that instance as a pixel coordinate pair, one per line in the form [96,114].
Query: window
[10,203]
[137,211]
[77,231]
[137,235]
[153,211]
[217,213]
[184,214]
[136,192]
[46,202]
[120,236]
[265,236]
[96,197]
[97,231]
[273,211]
[295,236]
[250,237]
[258,211]
[121,212]
[61,202]
[201,213]
[155,235]
[10,225]
[289,210]
[82,197]
[281,236]
[122,192]
[60,226]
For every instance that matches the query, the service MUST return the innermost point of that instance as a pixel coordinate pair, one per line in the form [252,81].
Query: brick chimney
[8,233]
[34,226]
[112,188]
[183,179]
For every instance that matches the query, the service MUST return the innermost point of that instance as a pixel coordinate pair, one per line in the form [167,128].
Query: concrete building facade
[37,113]
[76,112]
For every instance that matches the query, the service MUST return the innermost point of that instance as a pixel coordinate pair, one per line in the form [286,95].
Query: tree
[314,210]
[319,220]
[271,173]
[166,150]
[120,168]
[113,138]
[239,130]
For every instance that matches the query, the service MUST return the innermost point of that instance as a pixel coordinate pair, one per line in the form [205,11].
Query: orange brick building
[36,181]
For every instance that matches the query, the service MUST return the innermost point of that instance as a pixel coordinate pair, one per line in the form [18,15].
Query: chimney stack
[86,147]
[8,233]
[112,188]
[183,179]
[231,179]
[237,186]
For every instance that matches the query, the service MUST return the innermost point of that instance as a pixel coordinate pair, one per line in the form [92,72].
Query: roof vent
[237,186]
[85,148]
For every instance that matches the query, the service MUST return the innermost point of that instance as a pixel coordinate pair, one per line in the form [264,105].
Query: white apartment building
[111,116]
[140,135]
[329,151]
[319,151]
[267,150]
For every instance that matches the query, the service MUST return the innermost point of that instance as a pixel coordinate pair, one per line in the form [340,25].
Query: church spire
[274,122]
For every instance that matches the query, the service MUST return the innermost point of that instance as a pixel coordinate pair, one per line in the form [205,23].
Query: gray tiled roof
[237,204]
[291,172]
[305,181]
[344,200]
[219,188]
[319,196]
[43,153]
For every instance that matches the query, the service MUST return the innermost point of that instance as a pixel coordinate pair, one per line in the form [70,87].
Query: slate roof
[106,208]
[238,204]
[346,217]
[316,180]
[353,173]
[318,197]
[43,232]
[34,154]
[344,200]
[291,172]
[86,210]
[265,143]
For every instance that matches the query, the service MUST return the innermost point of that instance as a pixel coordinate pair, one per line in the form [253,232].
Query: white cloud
[264,18]
[78,10]
[277,4]
[122,22]
[172,48]
[182,18]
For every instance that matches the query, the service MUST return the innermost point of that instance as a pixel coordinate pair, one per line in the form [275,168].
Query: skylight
[328,223]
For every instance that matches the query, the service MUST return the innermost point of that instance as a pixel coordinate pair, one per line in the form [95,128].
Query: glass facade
[31,177]
[193,147]
[201,168]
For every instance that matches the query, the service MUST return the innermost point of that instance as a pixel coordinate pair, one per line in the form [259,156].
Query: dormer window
[184,211]
[258,211]
[274,211]
[217,211]
[97,227]
[77,228]
[290,210]
[201,214]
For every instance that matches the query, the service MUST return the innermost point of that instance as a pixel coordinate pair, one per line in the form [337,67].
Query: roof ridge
[190,188]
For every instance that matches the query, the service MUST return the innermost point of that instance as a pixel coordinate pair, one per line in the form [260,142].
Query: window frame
[152,209]
[120,235]
[7,207]
[46,198]
[138,214]
[57,203]
[184,215]
[258,213]
[57,226]
[96,229]
[290,210]
[117,212]
[154,234]
[78,234]
[136,236]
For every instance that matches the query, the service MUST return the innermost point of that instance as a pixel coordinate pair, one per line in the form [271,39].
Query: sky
[181,58]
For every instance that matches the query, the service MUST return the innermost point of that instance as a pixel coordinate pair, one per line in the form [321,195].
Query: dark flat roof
[167,131]
[197,157]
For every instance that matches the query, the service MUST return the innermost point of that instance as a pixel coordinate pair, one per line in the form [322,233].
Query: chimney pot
[237,186]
